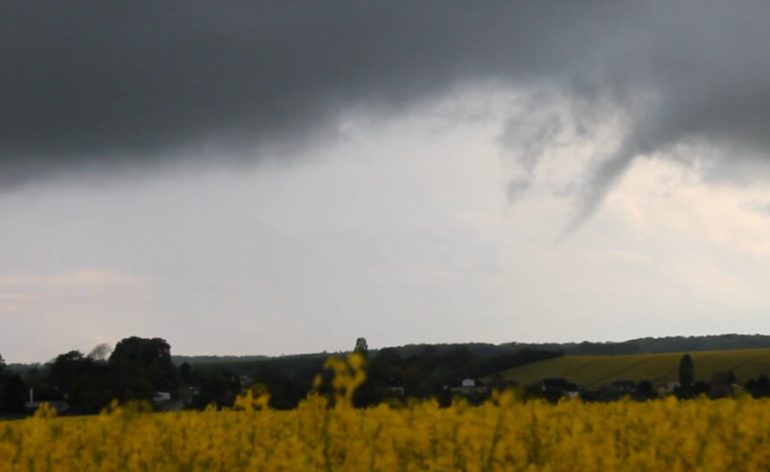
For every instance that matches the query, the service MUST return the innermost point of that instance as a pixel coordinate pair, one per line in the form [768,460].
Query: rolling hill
[594,370]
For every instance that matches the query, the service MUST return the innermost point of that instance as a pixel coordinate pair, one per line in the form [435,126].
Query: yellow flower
[505,433]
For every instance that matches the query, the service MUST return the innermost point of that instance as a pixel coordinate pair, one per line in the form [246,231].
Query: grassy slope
[593,371]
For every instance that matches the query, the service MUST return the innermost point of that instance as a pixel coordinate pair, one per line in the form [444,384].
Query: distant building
[161,396]
[667,388]
[469,387]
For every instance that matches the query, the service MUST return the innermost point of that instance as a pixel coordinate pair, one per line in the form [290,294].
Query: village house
[469,387]
[667,388]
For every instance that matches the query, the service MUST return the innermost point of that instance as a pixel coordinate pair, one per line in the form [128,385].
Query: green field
[594,371]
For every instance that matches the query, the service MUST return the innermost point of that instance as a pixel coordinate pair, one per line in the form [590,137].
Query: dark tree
[218,387]
[187,374]
[700,388]
[86,383]
[12,393]
[66,368]
[759,387]
[147,359]
[686,372]
[362,347]
[141,352]
[646,389]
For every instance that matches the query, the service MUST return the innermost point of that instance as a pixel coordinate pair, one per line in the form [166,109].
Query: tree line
[143,368]
[136,369]
[139,368]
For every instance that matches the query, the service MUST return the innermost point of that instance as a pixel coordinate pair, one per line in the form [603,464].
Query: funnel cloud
[110,87]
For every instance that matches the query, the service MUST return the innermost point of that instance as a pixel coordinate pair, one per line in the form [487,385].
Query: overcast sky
[284,177]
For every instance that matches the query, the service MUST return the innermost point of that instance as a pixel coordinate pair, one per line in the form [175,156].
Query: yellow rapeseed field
[504,434]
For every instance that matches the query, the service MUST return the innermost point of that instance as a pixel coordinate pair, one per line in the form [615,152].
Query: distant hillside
[409,350]
[718,342]
[592,371]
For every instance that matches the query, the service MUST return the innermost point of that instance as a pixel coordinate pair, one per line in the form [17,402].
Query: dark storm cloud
[112,86]
[101,83]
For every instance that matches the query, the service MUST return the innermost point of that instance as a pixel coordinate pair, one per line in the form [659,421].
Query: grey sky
[279,177]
